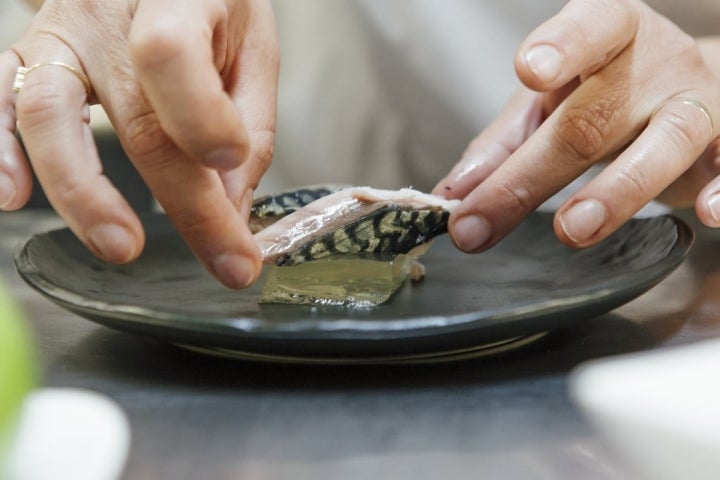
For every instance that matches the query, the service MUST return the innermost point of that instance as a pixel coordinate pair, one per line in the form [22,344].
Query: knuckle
[195,225]
[69,191]
[626,11]
[679,44]
[583,131]
[200,132]
[634,185]
[152,47]
[517,195]
[684,126]
[683,45]
[261,154]
[686,43]
[144,139]
[263,149]
[37,100]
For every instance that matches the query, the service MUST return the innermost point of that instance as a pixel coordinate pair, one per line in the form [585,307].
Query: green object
[17,367]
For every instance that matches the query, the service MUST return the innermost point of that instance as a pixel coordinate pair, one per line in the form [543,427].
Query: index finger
[195,200]
[178,50]
[196,124]
[585,36]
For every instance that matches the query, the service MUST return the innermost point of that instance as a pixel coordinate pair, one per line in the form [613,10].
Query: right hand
[191,89]
[633,89]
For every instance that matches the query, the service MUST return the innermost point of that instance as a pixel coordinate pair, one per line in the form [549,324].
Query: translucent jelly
[350,280]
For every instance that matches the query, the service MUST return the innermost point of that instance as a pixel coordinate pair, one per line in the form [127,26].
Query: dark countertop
[506,417]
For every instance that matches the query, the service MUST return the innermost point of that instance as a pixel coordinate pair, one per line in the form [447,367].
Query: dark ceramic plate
[467,305]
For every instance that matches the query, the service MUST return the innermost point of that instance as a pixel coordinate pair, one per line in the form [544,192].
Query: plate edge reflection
[478,351]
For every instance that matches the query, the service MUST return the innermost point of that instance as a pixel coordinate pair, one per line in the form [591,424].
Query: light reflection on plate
[468,353]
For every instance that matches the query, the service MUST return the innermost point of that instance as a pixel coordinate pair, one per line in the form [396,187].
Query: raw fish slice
[357,220]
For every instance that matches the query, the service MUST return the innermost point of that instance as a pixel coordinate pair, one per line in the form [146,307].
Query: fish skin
[390,230]
[358,220]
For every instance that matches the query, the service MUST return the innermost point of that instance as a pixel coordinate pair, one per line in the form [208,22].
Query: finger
[519,118]
[707,205]
[208,210]
[172,46]
[15,174]
[53,115]
[585,36]
[686,190]
[674,139]
[707,202]
[194,198]
[597,119]
[255,93]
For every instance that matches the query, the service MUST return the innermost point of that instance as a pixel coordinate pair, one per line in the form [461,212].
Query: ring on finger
[688,101]
[22,73]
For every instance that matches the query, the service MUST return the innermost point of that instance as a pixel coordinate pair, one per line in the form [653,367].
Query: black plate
[467,304]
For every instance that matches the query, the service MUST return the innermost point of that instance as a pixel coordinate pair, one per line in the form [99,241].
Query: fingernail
[224,158]
[714,207]
[115,243]
[545,61]
[583,220]
[7,191]
[471,232]
[235,271]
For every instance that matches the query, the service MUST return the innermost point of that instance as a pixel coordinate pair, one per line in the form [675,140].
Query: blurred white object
[69,433]
[660,409]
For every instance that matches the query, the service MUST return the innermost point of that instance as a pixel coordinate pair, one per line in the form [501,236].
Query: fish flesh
[356,220]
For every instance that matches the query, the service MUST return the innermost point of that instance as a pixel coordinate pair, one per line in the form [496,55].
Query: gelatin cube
[350,280]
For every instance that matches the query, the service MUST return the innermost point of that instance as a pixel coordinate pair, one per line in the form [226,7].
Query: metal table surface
[507,417]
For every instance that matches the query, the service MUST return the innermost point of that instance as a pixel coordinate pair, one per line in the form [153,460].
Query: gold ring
[22,73]
[689,101]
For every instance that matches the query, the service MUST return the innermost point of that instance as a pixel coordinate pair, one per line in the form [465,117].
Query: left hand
[191,89]
[611,79]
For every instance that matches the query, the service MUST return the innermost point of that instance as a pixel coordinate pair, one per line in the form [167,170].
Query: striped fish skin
[391,229]
[266,209]
[357,220]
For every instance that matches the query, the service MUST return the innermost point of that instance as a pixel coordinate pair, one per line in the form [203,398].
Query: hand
[190,88]
[609,79]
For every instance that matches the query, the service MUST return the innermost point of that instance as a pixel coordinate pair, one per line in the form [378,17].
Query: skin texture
[201,141]
[626,89]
